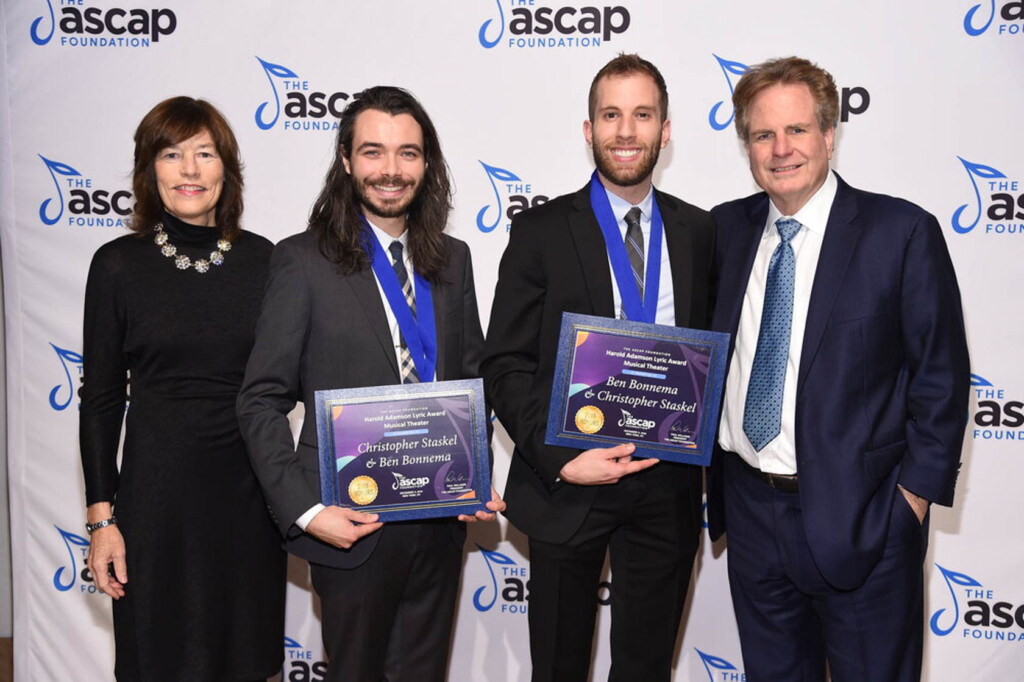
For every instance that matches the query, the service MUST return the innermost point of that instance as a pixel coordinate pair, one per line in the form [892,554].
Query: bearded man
[576,506]
[387,593]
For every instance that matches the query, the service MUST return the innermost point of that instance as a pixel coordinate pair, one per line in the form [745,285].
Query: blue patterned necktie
[408,367]
[762,413]
[635,252]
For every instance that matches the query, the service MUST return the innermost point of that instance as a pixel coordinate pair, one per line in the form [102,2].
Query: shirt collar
[814,214]
[385,239]
[620,207]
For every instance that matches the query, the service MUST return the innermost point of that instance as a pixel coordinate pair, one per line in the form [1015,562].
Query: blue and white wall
[932,104]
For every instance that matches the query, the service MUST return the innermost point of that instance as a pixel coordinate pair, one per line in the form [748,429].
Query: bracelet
[90,527]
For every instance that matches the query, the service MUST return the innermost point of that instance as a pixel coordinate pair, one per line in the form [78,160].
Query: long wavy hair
[335,217]
[172,121]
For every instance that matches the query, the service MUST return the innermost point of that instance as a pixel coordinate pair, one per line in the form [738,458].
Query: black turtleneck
[187,234]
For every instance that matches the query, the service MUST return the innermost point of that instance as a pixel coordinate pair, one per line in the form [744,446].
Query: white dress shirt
[396,336]
[778,456]
[666,313]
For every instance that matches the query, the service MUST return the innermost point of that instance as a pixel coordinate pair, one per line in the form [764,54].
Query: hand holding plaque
[405,451]
[618,381]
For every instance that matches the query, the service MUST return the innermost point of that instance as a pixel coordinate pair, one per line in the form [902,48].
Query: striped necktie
[635,251]
[407,367]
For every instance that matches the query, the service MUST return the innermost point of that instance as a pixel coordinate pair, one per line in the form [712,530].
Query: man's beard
[627,177]
[387,208]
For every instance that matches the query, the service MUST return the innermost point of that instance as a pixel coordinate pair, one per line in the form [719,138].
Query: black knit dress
[205,593]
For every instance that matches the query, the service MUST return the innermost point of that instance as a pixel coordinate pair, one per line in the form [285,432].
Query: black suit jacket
[320,330]
[883,384]
[556,261]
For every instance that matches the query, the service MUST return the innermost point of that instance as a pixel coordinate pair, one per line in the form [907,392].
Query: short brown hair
[168,123]
[786,71]
[627,65]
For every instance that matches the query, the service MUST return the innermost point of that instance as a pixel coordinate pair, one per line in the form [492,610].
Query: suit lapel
[593,254]
[680,255]
[837,247]
[364,288]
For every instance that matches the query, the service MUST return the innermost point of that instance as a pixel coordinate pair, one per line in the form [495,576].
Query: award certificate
[406,451]
[620,381]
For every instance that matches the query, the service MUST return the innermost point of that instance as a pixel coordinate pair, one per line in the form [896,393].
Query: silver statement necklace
[182,261]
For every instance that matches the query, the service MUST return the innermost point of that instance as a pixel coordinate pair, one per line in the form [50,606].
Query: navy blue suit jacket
[883,383]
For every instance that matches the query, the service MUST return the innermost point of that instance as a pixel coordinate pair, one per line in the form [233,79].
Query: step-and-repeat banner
[931,111]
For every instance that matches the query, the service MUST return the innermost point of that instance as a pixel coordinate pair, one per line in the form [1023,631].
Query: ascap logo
[999,199]
[304,108]
[299,664]
[852,101]
[63,393]
[719,669]
[68,575]
[83,26]
[509,583]
[983,618]
[996,417]
[729,69]
[531,26]
[630,422]
[87,205]
[980,17]
[405,483]
[514,589]
[507,186]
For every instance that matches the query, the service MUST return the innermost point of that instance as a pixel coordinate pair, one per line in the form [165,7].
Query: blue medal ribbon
[419,332]
[635,309]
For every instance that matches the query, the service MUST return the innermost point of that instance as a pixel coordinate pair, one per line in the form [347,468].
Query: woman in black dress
[181,538]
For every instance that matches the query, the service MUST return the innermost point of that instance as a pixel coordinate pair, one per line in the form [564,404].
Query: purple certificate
[407,451]
[618,381]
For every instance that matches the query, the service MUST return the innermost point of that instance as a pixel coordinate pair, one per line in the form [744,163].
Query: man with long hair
[576,506]
[387,592]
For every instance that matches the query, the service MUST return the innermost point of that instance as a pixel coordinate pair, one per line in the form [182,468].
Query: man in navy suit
[845,402]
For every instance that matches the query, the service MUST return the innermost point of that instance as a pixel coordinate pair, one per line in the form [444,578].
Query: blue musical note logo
[482,36]
[491,558]
[34,30]
[969,26]
[56,168]
[713,662]
[729,69]
[272,71]
[501,175]
[65,356]
[951,578]
[69,540]
[974,171]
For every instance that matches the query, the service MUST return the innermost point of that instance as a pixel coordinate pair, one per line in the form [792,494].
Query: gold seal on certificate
[362,490]
[589,419]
